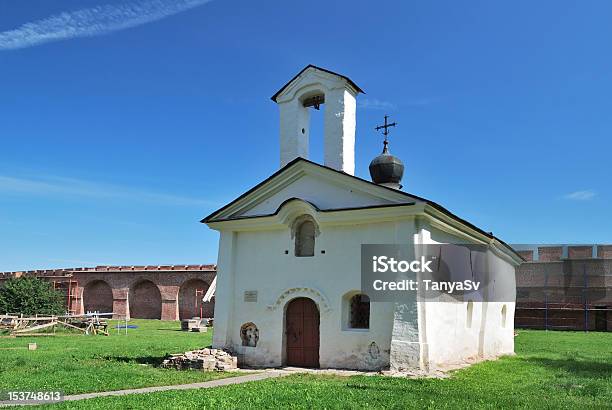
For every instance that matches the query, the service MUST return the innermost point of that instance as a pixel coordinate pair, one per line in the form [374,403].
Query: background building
[566,288]
[167,292]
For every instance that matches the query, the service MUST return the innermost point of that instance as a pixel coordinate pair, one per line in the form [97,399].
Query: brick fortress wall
[565,288]
[168,292]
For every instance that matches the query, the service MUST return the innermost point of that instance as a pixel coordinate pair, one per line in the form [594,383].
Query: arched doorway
[302,333]
[190,300]
[98,297]
[145,301]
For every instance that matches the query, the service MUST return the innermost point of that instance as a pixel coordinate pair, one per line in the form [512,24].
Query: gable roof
[410,199]
[355,86]
[315,207]
[221,214]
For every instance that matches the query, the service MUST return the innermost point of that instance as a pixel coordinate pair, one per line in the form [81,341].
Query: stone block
[204,359]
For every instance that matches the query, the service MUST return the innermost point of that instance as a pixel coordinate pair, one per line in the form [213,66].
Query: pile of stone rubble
[204,359]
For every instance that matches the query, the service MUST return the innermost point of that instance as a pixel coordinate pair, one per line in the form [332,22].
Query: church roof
[410,199]
[355,86]
[217,215]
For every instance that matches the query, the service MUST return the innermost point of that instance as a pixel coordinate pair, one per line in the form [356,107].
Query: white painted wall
[262,265]
[323,194]
[257,261]
[339,129]
[338,124]
[449,339]
[294,142]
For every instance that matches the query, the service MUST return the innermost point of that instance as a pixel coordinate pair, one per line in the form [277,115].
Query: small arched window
[360,312]
[305,239]
[504,313]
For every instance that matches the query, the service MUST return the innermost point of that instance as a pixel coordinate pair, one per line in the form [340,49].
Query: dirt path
[203,385]
[252,377]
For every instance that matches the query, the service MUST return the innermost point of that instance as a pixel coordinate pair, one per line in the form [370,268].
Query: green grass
[76,363]
[551,370]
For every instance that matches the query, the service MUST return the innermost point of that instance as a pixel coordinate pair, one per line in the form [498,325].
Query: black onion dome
[387,169]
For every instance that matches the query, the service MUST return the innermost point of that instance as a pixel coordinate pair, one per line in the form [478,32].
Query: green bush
[30,296]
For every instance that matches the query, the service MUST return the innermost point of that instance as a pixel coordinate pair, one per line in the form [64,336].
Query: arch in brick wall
[98,297]
[145,300]
[190,300]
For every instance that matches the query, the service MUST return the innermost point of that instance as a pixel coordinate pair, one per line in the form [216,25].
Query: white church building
[288,289]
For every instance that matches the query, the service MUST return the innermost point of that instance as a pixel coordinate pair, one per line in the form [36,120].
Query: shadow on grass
[582,368]
[372,387]
[154,361]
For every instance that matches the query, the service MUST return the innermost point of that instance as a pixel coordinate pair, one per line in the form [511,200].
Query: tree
[30,296]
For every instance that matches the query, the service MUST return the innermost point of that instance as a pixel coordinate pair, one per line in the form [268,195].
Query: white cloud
[93,21]
[585,195]
[422,102]
[59,186]
[375,104]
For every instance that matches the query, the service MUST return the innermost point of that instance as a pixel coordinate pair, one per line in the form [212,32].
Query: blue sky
[123,123]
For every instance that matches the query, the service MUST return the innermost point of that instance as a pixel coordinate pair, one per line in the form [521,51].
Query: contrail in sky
[51,186]
[93,21]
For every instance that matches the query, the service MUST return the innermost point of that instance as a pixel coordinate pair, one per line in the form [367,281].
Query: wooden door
[302,333]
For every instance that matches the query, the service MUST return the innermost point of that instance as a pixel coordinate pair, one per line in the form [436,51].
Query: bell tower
[313,88]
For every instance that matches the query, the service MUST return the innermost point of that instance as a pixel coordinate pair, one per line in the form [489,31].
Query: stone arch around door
[145,300]
[292,293]
[190,300]
[97,297]
[301,333]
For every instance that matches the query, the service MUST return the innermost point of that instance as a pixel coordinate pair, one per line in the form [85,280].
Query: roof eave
[210,218]
[348,80]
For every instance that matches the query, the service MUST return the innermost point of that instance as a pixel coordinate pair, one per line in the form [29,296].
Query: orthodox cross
[385,128]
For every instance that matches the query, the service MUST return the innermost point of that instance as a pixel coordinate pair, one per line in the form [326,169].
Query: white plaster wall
[339,119]
[225,286]
[323,194]
[438,336]
[449,339]
[262,265]
[499,339]
[294,118]
[339,130]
